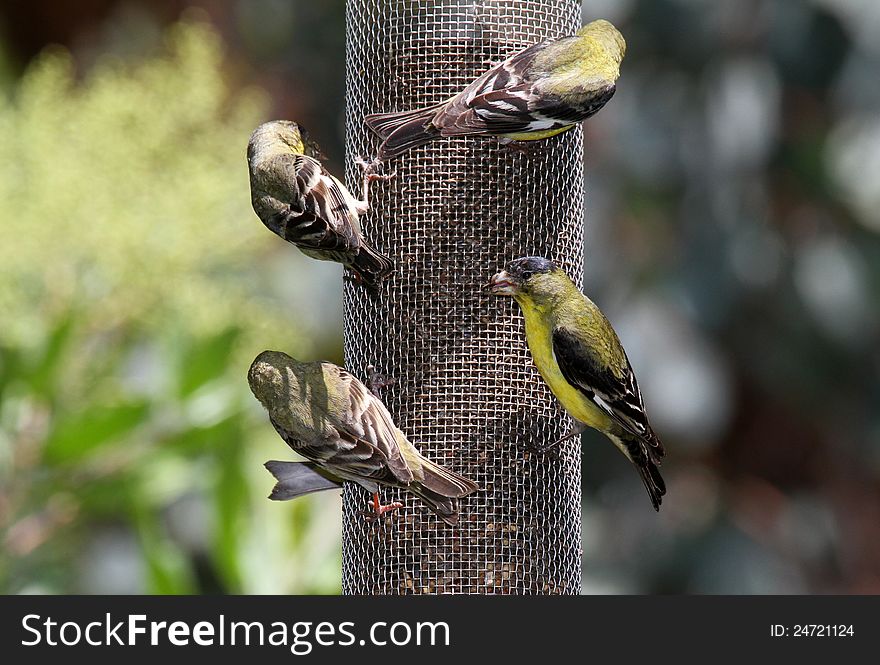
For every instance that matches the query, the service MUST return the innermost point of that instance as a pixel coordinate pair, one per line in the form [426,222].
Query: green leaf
[10,367]
[231,501]
[168,570]
[43,373]
[86,432]
[196,441]
[206,360]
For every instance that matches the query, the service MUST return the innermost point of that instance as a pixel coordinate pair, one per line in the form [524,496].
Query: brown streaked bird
[537,93]
[581,358]
[329,417]
[298,200]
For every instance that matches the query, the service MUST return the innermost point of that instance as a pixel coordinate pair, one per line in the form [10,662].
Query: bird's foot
[353,276]
[576,430]
[368,167]
[527,148]
[377,381]
[376,510]
[373,177]
[370,175]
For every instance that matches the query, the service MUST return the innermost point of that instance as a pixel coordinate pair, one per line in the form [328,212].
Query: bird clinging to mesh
[581,358]
[298,200]
[537,93]
[329,417]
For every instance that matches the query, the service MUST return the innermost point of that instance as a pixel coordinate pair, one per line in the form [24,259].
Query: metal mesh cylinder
[466,392]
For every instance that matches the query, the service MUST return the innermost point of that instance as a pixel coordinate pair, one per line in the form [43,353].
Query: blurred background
[733,217]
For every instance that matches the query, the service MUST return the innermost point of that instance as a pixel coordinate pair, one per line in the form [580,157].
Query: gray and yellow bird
[581,358]
[329,417]
[537,93]
[298,200]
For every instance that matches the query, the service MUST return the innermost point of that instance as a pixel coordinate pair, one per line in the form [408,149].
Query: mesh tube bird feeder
[465,390]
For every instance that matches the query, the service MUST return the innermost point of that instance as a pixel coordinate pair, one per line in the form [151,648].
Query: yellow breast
[539,336]
[537,135]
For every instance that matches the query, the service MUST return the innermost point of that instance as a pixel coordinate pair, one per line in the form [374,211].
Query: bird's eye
[527,273]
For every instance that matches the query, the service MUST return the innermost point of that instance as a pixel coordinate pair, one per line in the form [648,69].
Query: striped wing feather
[364,443]
[318,210]
[505,100]
[620,398]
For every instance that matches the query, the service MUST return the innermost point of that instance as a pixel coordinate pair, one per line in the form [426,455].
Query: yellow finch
[329,417]
[581,359]
[542,91]
[298,200]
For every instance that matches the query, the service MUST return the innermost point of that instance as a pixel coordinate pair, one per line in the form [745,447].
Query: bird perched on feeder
[329,417]
[581,358]
[537,93]
[298,200]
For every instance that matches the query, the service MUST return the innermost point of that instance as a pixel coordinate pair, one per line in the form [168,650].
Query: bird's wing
[505,100]
[319,209]
[363,442]
[620,398]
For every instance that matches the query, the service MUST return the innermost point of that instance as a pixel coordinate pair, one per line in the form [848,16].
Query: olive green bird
[537,93]
[329,417]
[298,200]
[581,358]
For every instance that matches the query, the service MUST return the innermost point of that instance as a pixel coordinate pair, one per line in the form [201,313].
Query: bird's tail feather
[296,479]
[371,266]
[444,482]
[384,124]
[647,466]
[445,507]
[653,482]
[440,488]
[402,131]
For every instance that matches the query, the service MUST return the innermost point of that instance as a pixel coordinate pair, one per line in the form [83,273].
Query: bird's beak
[503,284]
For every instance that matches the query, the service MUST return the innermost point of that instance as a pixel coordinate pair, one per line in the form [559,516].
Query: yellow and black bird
[298,200]
[537,93]
[581,358]
[329,417]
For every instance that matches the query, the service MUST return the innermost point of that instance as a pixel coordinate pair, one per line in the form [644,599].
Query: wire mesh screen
[465,390]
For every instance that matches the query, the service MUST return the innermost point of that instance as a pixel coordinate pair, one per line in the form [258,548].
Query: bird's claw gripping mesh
[465,390]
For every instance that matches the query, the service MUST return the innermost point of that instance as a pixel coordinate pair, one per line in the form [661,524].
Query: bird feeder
[464,389]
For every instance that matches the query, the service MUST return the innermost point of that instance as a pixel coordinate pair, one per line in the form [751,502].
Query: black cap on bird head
[513,279]
[530,265]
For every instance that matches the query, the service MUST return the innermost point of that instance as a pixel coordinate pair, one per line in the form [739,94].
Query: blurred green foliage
[123,191]
[132,301]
